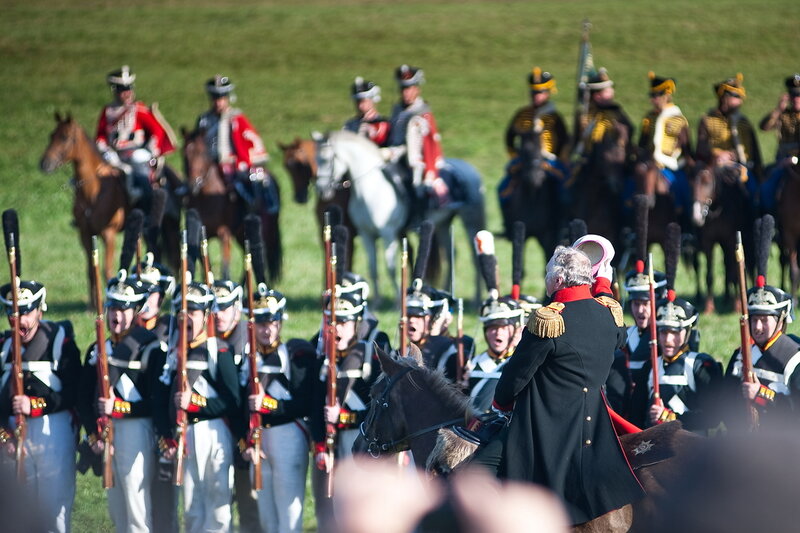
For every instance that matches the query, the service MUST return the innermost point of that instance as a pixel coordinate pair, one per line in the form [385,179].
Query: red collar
[570,294]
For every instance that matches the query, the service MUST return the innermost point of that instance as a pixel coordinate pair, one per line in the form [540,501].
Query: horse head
[62,145]
[299,159]
[330,169]
[198,165]
[531,160]
[711,185]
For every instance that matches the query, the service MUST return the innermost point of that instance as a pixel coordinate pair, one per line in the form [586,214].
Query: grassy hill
[293,63]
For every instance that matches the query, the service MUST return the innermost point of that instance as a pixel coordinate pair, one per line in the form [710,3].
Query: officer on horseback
[726,140]
[785,119]
[540,125]
[235,145]
[414,143]
[133,137]
[367,121]
[664,144]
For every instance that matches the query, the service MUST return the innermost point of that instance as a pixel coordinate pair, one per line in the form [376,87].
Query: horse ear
[69,116]
[388,364]
[415,354]
[57,116]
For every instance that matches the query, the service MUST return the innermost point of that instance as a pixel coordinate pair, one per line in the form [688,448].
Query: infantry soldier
[501,319]
[437,350]
[688,381]
[286,375]
[441,319]
[51,371]
[414,142]
[212,398]
[135,359]
[132,136]
[726,141]
[540,126]
[367,121]
[357,370]
[235,145]
[160,285]
[553,384]
[664,145]
[785,119]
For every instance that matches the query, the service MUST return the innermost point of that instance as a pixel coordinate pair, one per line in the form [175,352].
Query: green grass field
[293,63]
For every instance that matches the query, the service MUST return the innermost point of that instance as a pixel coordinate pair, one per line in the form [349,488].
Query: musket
[180,371]
[252,356]
[460,342]
[330,349]
[403,326]
[105,425]
[211,325]
[748,376]
[20,422]
[653,333]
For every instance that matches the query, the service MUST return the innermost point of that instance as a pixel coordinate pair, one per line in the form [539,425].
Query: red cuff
[602,286]
[505,408]
[319,447]
[37,406]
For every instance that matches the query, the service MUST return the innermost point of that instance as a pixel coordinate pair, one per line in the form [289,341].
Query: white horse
[374,207]
[377,211]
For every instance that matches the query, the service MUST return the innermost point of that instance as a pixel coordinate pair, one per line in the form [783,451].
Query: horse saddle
[654,445]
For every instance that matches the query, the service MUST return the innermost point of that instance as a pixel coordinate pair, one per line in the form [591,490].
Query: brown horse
[411,403]
[789,226]
[721,208]
[300,160]
[220,208]
[100,198]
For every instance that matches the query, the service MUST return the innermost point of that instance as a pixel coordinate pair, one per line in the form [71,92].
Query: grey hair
[571,265]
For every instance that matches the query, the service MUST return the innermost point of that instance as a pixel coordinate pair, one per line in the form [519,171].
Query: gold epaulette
[614,307]
[547,322]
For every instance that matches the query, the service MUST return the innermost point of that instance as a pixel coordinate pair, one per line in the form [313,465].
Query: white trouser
[280,502]
[129,500]
[208,478]
[50,468]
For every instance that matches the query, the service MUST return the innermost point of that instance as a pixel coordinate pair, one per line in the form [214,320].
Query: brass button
[585,389]
[588,442]
[588,418]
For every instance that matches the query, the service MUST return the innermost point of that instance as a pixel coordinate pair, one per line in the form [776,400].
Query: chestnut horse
[100,198]
[789,226]
[220,209]
[300,161]
[411,404]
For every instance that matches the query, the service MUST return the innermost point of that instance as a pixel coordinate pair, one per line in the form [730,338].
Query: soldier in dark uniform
[626,388]
[213,405]
[441,320]
[560,434]
[689,381]
[50,374]
[286,375]
[367,121]
[726,140]
[501,319]
[538,124]
[357,369]
[135,359]
[437,350]
[774,355]
[785,119]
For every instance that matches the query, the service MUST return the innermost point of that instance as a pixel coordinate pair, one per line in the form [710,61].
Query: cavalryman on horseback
[414,142]
[726,140]
[785,120]
[664,144]
[367,121]
[236,147]
[133,137]
[538,124]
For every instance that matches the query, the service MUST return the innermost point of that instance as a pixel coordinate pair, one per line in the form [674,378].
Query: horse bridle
[375,447]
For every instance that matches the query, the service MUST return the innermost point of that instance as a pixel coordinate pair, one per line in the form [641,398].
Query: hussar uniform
[664,142]
[130,136]
[719,131]
[787,125]
[286,371]
[214,415]
[689,382]
[134,361]
[375,128]
[50,373]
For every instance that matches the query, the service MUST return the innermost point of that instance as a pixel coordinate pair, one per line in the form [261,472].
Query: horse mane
[349,136]
[424,378]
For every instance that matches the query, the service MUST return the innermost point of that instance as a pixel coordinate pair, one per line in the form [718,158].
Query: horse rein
[374,446]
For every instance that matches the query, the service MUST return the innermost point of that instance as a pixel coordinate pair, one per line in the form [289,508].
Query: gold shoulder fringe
[614,307]
[547,322]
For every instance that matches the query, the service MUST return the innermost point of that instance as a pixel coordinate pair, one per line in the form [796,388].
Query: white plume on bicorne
[484,243]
